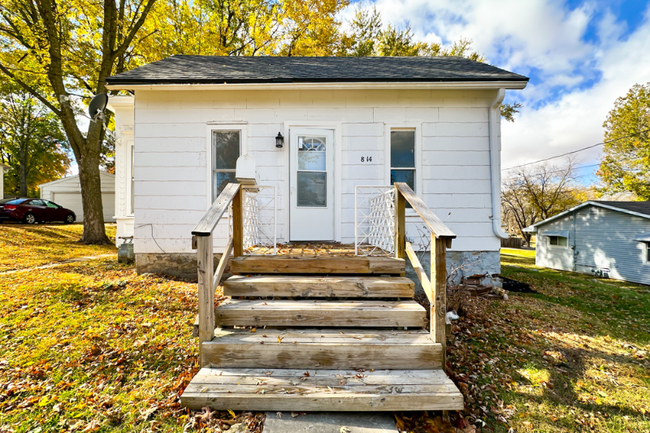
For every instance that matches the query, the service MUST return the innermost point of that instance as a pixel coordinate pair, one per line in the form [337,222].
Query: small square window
[558,241]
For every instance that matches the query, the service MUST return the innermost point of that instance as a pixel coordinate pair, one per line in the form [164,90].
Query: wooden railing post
[205,267]
[400,225]
[238,223]
[439,288]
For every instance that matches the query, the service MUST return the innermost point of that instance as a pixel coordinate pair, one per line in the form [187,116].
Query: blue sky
[580,56]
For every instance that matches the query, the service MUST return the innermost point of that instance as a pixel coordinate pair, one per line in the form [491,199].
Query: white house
[433,122]
[603,238]
[67,193]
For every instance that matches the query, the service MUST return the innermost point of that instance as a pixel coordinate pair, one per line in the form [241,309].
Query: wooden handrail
[437,227]
[208,278]
[436,287]
[206,226]
[419,271]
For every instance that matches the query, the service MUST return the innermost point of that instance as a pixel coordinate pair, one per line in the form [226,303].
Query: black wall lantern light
[279,141]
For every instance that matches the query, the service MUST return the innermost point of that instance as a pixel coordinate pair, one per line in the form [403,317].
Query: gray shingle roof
[183,69]
[642,207]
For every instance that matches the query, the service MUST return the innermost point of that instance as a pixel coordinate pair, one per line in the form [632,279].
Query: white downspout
[494,119]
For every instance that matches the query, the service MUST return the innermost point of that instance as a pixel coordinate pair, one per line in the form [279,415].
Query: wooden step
[321,390]
[322,349]
[267,286]
[317,265]
[321,313]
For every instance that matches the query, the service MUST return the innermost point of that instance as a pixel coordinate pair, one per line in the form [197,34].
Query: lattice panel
[260,209]
[374,231]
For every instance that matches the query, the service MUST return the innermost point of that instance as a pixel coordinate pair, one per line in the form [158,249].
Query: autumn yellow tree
[61,52]
[241,28]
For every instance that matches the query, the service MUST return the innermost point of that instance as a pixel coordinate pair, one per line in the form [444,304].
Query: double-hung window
[402,156]
[226,148]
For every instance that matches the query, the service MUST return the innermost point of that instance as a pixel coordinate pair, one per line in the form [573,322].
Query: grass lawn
[572,357]
[23,246]
[93,346]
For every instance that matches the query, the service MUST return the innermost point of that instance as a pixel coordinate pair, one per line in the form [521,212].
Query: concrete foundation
[330,422]
[460,264]
[181,265]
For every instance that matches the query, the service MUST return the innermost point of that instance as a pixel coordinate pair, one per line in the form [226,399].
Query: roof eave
[580,206]
[441,85]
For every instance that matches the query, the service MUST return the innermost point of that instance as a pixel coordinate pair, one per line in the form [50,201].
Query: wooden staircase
[321,343]
[316,334]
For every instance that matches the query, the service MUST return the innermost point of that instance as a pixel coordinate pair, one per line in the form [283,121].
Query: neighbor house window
[402,157]
[226,148]
[558,241]
[647,252]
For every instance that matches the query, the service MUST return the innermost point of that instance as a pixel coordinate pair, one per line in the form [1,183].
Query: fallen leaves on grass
[26,246]
[561,360]
[95,347]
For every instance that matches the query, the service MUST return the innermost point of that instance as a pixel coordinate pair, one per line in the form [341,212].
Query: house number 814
[366,159]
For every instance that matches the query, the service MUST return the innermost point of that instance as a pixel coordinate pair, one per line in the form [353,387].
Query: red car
[34,210]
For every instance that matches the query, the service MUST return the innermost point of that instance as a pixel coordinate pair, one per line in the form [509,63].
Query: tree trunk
[91,195]
[22,167]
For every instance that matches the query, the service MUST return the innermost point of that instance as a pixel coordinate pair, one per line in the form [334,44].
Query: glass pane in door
[312,153]
[312,171]
[312,189]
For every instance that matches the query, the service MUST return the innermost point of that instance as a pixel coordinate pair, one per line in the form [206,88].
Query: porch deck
[316,328]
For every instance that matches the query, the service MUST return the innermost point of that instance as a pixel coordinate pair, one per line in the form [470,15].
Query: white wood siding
[171,154]
[603,239]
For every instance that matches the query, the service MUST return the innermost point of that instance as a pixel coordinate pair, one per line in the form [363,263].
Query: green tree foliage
[31,143]
[534,193]
[625,165]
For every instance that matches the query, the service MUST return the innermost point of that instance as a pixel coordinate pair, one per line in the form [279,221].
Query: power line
[575,151]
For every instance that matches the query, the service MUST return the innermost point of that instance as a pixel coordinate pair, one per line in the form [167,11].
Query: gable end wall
[603,239]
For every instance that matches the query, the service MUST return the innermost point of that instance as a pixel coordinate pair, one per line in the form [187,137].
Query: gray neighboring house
[603,238]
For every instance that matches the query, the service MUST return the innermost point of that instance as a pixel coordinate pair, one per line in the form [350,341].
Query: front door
[311,184]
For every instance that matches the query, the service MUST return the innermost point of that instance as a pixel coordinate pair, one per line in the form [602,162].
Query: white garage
[67,193]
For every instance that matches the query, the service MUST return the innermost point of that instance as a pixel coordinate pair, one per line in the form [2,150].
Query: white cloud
[576,80]
[575,119]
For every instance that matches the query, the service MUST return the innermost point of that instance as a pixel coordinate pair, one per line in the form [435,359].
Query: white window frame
[557,246]
[646,253]
[418,156]
[243,148]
